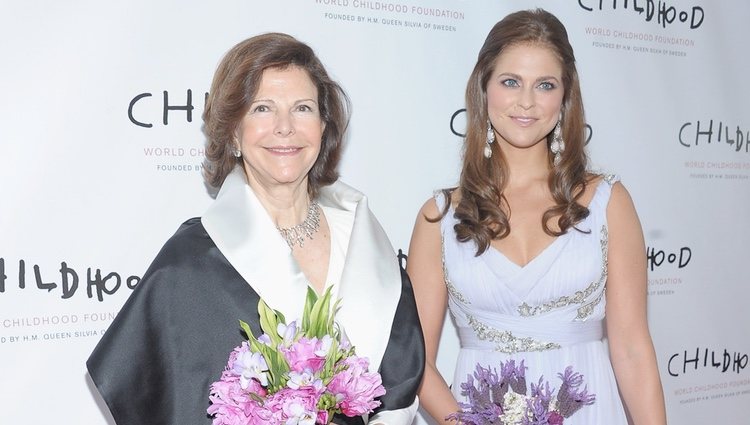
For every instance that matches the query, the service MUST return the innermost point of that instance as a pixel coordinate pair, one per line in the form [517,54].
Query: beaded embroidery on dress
[548,313]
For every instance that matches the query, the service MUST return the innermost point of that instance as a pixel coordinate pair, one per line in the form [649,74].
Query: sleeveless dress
[548,313]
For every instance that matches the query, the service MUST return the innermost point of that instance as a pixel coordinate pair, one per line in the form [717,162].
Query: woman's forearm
[435,396]
[640,386]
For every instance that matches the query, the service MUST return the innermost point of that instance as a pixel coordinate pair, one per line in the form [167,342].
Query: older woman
[281,223]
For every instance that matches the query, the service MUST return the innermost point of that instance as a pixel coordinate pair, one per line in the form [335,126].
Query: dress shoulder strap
[440,199]
[598,204]
[611,179]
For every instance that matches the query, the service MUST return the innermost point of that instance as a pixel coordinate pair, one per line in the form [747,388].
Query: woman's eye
[261,108]
[546,86]
[304,108]
[510,83]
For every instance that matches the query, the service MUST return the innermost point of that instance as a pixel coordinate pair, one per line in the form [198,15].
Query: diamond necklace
[296,235]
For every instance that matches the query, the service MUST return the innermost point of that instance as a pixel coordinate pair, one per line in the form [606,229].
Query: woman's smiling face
[280,135]
[524,94]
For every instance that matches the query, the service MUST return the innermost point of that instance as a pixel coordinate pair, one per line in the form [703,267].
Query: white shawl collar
[370,285]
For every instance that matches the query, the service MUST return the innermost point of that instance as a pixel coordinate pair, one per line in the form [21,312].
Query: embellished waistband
[540,336]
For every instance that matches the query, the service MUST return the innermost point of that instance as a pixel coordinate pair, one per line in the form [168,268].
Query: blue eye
[546,85]
[510,83]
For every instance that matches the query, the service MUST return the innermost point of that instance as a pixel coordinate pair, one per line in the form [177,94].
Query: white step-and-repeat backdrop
[101,147]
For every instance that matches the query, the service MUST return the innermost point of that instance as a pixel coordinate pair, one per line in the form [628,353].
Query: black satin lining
[403,362]
[171,339]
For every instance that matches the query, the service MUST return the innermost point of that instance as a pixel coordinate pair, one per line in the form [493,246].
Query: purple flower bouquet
[503,399]
[294,373]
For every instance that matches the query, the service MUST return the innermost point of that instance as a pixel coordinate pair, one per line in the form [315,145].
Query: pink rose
[301,355]
[356,388]
[230,404]
[294,406]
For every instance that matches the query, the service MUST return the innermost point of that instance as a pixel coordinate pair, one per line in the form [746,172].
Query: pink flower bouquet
[294,373]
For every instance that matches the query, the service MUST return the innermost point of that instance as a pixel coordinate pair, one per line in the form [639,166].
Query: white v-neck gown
[548,313]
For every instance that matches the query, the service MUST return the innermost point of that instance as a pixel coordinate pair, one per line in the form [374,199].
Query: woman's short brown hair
[235,84]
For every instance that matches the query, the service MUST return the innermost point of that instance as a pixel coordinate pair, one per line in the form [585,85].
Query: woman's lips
[524,121]
[284,150]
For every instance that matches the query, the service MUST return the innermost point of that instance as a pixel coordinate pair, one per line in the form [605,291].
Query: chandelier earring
[490,140]
[558,144]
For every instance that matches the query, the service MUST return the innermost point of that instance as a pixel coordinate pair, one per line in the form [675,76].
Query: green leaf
[310,300]
[330,327]
[319,317]
[331,358]
[278,368]
[280,317]
[245,327]
[269,322]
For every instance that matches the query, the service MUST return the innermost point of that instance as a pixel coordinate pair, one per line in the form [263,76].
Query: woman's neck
[286,204]
[526,166]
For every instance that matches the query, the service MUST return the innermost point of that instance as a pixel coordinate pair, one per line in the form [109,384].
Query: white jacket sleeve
[403,416]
